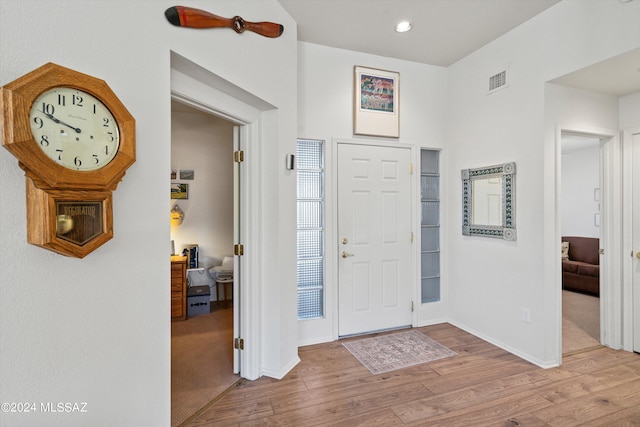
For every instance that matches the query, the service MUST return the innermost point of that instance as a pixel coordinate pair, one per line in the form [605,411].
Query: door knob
[638,254]
[345,254]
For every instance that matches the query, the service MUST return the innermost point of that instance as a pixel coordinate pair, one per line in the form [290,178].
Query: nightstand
[178,288]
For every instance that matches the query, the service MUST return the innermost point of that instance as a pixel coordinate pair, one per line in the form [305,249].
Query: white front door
[635,225]
[374,226]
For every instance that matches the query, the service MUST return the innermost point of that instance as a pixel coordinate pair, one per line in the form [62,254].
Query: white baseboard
[284,371]
[433,322]
[541,363]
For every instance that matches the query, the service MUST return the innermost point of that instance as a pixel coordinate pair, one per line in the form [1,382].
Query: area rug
[398,350]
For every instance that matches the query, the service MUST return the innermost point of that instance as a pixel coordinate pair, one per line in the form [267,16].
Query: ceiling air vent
[498,81]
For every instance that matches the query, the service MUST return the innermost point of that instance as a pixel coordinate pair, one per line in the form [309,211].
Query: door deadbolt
[344,241]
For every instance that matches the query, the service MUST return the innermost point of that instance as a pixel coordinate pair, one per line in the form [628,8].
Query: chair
[223,275]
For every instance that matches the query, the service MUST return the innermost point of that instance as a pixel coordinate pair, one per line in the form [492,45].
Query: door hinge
[238,343]
[412,306]
[411,237]
[238,156]
[238,250]
[411,168]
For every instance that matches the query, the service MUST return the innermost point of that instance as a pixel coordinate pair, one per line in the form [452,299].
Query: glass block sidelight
[310,244]
[430,264]
[430,187]
[310,223]
[430,225]
[430,238]
[310,273]
[430,289]
[430,162]
[310,214]
[309,155]
[310,303]
[430,212]
[310,185]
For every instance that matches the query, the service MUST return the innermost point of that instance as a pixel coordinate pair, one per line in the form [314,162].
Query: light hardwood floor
[481,386]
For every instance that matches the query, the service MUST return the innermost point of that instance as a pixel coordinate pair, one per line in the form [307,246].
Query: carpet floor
[580,322]
[201,362]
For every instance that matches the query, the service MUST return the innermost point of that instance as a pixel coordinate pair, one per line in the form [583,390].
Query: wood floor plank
[382,418]
[424,409]
[598,359]
[481,386]
[361,376]
[219,415]
[629,417]
[334,408]
[594,406]
[578,411]
[264,388]
[491,413]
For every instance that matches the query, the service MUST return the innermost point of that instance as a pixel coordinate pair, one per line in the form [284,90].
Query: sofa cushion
[570,266]
[589,270]
[584,249]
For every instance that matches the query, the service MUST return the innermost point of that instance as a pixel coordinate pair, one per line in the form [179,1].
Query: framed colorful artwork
[376,102]
[179,191]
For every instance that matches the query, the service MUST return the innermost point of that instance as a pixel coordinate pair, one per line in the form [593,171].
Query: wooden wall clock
[75,140]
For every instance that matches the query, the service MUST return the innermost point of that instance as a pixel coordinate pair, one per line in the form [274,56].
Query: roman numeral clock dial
[75,140]
[74,129]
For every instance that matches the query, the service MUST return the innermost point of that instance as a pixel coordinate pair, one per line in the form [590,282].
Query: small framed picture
[187,174]
[179,191]
[376,102]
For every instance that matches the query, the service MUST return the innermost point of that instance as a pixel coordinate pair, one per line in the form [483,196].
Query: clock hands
[55,120]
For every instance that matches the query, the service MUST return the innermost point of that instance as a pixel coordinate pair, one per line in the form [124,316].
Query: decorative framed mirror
[488,201]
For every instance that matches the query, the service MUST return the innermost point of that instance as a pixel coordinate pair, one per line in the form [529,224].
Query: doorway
[374,226]
[581,179]
[202,357]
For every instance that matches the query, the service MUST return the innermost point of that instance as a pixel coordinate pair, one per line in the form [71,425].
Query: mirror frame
[507,230]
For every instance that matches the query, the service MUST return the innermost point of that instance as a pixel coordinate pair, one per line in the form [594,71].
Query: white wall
[204,143]
[630,111]
[580,178]
[325,104]
[77,330]
[493,280]
[583,111]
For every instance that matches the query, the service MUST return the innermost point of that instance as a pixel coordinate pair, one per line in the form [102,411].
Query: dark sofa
[581,272]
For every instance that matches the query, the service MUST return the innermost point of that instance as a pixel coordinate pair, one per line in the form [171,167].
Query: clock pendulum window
[75,140]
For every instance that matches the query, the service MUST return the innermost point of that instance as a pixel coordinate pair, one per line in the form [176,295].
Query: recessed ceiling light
[403,26]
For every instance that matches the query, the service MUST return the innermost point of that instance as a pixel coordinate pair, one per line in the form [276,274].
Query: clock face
[74,129]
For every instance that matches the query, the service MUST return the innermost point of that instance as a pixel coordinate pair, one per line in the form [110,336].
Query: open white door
[635,226]
[374,226]
[236,259]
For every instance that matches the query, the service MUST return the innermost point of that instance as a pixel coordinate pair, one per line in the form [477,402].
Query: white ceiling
[571,143]
[619,75]
[444,31]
